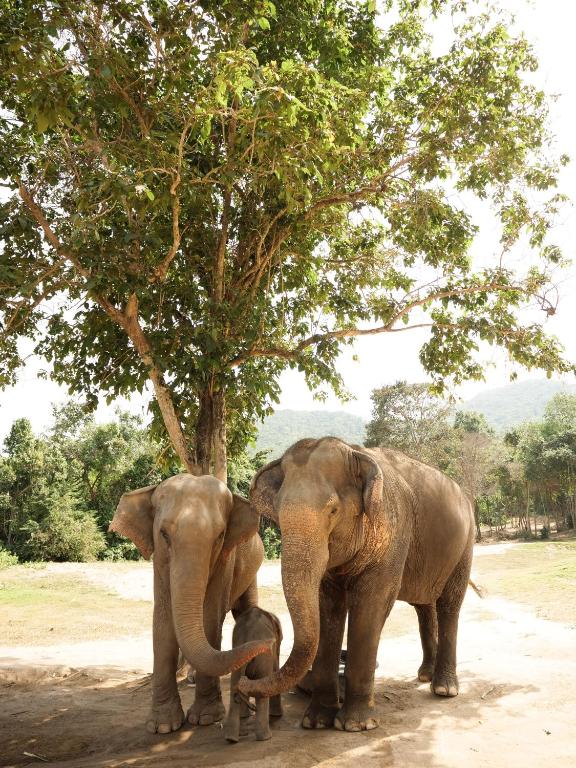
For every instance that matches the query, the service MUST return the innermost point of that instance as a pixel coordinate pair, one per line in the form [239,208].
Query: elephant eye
[164,535]
[333,510]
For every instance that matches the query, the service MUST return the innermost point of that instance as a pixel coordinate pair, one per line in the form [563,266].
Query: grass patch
[48,609]
[541,575]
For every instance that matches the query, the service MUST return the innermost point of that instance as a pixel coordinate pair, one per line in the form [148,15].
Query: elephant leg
[325,695]
[445,679]
[166,713]
[208,706]
[366,618]
[262,719]
[260,667]
[244,710]
[276,701]
[247,600]
[428,625]
[232,725]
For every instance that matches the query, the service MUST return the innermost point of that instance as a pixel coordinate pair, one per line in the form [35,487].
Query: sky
[549,25]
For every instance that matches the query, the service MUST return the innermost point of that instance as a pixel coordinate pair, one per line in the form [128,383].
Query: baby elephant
[254,624]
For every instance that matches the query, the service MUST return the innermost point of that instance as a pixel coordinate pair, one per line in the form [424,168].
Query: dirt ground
[83,704]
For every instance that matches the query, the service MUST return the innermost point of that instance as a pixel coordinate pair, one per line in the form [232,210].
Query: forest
[524,477]
[59,490]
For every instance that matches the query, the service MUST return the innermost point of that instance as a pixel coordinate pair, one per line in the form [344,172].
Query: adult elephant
[206,555]
[360,529]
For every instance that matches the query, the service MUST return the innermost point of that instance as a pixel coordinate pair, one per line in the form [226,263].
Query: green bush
[65,533]
[7,559]
[124,550]
[272,540]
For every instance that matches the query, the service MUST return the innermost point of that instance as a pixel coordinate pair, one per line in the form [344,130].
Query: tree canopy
[524,473]
[59,491]
[201,194]
[411,418]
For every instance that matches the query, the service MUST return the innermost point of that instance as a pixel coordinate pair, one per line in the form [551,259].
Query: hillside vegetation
[502,407]
[505,407]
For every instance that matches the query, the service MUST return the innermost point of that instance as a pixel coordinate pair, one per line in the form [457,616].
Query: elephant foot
[232,732]
[319,716]
[204,712]
[444,683]
[426,672]
[263,734]
[358,717]
[165,718]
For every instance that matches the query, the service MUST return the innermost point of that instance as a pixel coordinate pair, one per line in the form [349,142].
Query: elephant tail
[479,590]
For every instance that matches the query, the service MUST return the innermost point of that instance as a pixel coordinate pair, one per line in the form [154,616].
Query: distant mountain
[283,428]
[503,407]
[506,407]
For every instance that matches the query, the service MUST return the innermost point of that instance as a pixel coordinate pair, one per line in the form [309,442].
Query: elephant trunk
[302,569]
[188,614]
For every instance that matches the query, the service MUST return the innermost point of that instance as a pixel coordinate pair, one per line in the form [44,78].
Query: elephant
[361,528]
[255,624]
[206,555]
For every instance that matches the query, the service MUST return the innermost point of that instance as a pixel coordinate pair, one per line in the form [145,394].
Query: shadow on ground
[92,718]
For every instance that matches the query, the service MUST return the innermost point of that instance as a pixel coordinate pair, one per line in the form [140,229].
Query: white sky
[549,25]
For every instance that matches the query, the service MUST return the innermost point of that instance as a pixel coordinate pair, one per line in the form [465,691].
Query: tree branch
[161,391]
[129,322]
[162,270]
[343,333]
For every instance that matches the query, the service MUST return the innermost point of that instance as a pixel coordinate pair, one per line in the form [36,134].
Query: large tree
[201,194]
[547,452]
[411,418]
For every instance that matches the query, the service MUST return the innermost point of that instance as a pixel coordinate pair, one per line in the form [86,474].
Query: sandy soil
[83,705]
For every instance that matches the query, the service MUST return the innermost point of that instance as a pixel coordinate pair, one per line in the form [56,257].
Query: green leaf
[263,22]
[42,121]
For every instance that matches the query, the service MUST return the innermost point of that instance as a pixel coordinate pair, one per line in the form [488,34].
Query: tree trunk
[477,521]
[528,523]
[204,431]
[211,433]
[219,435]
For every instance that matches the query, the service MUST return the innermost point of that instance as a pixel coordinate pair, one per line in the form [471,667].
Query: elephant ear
[265,486]
[242,524]
[383,490]
[134,519]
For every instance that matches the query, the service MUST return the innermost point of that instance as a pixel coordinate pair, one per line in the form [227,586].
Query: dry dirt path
[83,705]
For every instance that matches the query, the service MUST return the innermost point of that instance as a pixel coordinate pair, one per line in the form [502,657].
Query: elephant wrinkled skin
[206,555]
[360,529]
